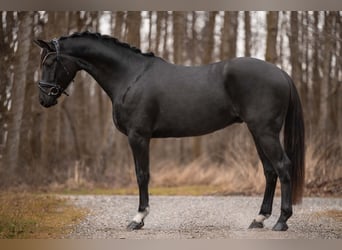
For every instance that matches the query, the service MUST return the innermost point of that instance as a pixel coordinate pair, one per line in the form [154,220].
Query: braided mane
[109,39]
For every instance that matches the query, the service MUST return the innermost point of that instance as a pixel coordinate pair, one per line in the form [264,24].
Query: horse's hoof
[256,224]
[135,225]
[280,226]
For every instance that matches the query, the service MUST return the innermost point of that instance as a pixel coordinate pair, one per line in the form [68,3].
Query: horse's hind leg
[271,181]
[270,145]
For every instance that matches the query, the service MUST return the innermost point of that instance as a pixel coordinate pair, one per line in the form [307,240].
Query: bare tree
[228,35]
[295,59]
[248,33]
[6,53]
[208,37]
[133,22]
[118,26]
[326,83]
[52,121]
[159,22]
[272,31]
[21,61]
[316,78]
[178,36]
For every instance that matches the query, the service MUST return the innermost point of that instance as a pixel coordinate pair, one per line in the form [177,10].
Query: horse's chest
[120,117]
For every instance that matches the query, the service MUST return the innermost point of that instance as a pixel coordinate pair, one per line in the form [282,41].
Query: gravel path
[205,217]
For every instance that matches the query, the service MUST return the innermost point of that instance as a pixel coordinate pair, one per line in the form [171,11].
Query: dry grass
[24,215]
[324,169]
[177,190]
[334,214]
[234,180]
[242,173]
[226,169]
[239,173]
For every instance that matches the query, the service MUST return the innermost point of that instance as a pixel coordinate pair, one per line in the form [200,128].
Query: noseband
[53,88]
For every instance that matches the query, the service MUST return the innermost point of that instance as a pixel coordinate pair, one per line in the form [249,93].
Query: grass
[195,178]
[175,190]
[36,216]
[334,214]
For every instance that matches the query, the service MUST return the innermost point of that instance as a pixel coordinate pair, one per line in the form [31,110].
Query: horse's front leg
[140,148]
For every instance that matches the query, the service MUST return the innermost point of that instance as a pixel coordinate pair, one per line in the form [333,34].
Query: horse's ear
[42,44]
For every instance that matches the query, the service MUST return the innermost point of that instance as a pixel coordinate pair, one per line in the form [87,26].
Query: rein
[54,89]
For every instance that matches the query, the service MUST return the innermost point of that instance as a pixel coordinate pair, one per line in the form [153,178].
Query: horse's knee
[271,176]
[143,178]
[283,169]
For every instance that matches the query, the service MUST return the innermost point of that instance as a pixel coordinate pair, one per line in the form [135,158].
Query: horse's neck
[109,66]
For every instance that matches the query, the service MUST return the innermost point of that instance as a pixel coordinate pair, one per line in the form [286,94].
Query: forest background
[75,144]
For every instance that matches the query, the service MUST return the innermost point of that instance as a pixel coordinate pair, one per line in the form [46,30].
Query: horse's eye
[48,63]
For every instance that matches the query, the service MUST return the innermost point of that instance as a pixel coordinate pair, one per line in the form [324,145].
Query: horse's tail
[294,136]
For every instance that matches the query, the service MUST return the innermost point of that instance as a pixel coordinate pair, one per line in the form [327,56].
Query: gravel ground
[202,217]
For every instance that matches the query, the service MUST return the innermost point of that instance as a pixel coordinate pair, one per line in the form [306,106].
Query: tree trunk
[178,36]
[316,78]
[27,151]
[18,91]
[194,40]
[159,22]
[228,35]
[119,19]
[150,26]
[166,52]
[339,78]
[208,38]
[6,53]
[272,31]
[133,23]
[326,83]
[296,71]
[248,34]
[52,120]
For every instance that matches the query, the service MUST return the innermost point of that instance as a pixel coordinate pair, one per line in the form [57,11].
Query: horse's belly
[192,122]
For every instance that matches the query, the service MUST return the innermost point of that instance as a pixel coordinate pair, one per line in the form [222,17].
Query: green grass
[31,216]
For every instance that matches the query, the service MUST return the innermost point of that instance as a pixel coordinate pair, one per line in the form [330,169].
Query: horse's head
[58,70]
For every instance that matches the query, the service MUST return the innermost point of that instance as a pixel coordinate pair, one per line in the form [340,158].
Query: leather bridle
[53,88]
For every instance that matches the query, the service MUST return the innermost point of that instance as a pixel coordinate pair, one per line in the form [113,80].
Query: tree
[295,59]
[315,77]
[248,33]
[21,61]
[6,53]
[271,42]
[326,86]
[159,22]
[118,26]
[178,36]
[133,22]
[228,35]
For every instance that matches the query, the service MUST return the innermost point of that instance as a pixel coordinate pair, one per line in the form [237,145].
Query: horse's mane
[107,38]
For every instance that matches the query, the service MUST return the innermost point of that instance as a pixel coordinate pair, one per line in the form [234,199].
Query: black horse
[155,99]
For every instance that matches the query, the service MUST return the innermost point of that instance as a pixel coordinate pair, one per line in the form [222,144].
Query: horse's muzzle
[47,103]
